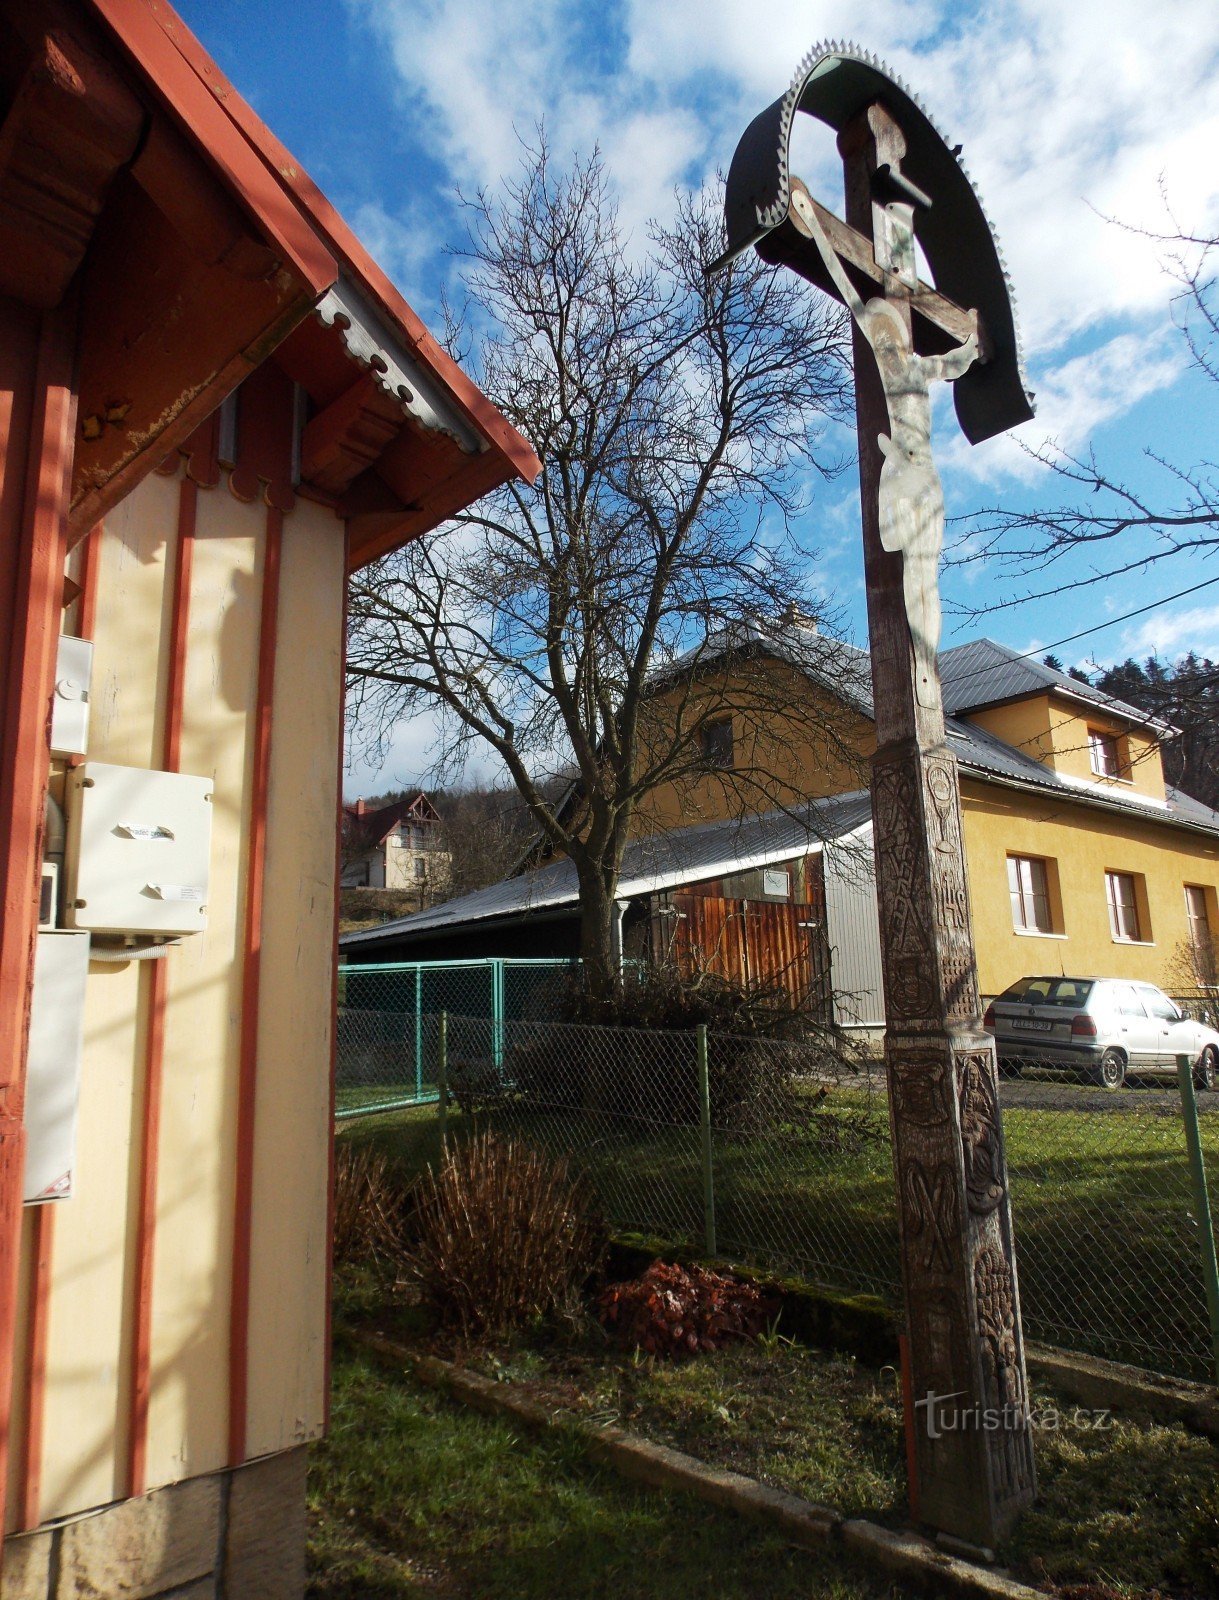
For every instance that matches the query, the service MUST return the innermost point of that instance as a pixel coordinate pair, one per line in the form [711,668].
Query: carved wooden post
[974,1456]
[974,1449]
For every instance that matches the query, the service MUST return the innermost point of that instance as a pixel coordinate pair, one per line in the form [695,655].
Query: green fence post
[704,1097]
[418,1033]
[1202,1205]
[442,1075]
[497,1013]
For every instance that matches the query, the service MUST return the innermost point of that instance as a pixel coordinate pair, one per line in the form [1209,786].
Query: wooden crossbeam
[939,322]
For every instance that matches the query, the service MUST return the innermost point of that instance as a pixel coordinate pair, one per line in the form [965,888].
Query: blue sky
[1069,113]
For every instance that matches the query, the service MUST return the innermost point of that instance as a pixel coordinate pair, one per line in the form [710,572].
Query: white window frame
[1028,887]
[1105,753]
[1124,922]
[1198,919]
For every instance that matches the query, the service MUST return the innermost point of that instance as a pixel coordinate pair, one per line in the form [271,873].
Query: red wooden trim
[36,1364]
[246,173]
[239,1317]
[188,503]
[514,449]
[154,1045]
[90,560]
[334,998]
[33,628]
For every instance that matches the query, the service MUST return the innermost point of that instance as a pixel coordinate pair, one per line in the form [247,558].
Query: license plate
[1035,1023]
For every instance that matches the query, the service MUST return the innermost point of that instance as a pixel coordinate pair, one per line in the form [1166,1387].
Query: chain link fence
[779,1154]
[385,1050]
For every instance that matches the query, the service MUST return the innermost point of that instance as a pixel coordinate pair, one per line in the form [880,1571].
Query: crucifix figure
[972,1444]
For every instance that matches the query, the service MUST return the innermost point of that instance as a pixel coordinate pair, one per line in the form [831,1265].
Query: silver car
[1102,1028]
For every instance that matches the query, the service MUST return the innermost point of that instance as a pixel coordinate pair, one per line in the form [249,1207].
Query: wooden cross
[972,1443]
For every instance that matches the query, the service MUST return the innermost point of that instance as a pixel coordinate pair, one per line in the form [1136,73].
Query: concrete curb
[1089,1381]
[901,1552]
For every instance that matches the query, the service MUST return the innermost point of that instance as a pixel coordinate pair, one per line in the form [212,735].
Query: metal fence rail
[779,1154]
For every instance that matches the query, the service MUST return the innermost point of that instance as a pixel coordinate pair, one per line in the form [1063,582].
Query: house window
[1106,753]
[1028,885]
[1121,891]
[716,738]
[1199,922]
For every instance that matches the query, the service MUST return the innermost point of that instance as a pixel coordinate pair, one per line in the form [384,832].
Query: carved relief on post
[978,1098]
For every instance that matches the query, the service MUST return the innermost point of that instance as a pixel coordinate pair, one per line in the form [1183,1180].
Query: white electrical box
[52,1085]
[70,701]
[138,850]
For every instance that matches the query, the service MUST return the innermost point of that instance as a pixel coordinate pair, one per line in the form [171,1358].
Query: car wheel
[1206,1068]
[1111,1074]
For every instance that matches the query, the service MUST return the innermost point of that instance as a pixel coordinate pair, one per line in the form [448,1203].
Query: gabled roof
[374,827]
[240,265]
[650,865]
[846,670]
[985,673]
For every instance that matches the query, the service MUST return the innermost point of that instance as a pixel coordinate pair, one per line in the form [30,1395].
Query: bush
[674,1310]
[505,1235]
[369,1208]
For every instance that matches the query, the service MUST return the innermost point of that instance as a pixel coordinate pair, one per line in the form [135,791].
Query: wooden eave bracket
[346,438]
[71,127]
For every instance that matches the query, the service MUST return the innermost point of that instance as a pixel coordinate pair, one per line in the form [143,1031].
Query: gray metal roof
[663,861]
[711,849]
[984,673]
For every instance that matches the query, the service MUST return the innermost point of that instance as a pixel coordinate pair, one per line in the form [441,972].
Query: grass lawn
[412,1495]
[1108,1250]
[1113,1501]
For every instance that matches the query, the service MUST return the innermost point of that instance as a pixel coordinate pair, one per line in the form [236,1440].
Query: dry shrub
[672,1310]
[504,1235]
[369,1206]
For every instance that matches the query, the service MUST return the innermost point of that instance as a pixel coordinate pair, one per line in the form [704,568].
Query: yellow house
[1080,858]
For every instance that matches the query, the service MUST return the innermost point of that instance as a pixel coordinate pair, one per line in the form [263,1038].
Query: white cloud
[404,244]
[1073,400]
[1171,632]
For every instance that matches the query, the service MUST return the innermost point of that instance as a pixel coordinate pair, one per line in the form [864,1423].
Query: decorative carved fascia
[397,374]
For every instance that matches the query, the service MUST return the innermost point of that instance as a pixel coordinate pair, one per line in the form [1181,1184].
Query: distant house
[397,846]
[1079,856]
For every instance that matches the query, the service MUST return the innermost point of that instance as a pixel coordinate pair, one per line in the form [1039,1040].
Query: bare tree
[1099,506]
[676,417]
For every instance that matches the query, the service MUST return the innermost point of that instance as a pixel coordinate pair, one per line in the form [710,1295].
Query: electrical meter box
[70,701]
[52,1085]
[138,849]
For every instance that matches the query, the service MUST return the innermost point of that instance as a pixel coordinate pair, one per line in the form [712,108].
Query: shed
[783,898]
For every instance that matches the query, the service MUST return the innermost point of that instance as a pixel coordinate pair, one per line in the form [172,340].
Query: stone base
[236,1535]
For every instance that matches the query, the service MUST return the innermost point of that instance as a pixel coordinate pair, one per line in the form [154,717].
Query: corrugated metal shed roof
[665,861]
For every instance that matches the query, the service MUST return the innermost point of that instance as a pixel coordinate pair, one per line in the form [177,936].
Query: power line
[1112,622]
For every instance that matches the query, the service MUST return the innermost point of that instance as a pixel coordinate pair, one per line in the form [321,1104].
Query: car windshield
[1049,991]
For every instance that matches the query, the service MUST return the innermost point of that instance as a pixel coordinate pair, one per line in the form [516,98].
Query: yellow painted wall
[1083,843]
[792,741]
[1054,730]
[92,1297]
[293,1128]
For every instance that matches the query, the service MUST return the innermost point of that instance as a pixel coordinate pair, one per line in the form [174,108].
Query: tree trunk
[597,945]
